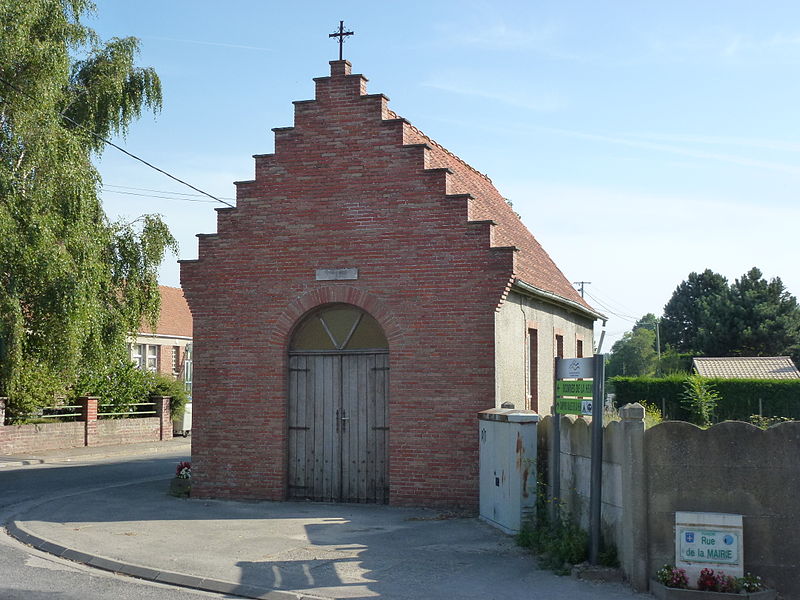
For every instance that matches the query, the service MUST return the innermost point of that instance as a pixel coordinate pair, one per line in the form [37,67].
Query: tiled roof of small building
[175,318]
[747,367]
[533,264]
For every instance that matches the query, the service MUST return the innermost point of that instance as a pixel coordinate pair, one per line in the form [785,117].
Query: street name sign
[580,389]
[708,541]
[573,406]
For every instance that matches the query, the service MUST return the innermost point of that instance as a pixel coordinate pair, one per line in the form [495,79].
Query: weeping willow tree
[73,284]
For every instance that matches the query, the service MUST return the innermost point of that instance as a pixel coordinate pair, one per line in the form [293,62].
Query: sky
[638,141]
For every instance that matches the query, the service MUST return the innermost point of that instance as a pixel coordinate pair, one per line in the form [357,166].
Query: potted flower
[672,583]
[181,484]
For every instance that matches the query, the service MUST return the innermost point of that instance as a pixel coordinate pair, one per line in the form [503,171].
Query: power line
[113,145]
[613,302]
[128,187]
[161,197]
[616,314]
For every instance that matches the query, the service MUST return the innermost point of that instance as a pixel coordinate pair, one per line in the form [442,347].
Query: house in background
[168,348]
[746,367]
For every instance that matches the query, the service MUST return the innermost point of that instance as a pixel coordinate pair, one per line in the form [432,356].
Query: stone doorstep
[664,593]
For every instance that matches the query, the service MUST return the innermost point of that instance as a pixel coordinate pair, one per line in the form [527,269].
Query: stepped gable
[346,96]
[533,265]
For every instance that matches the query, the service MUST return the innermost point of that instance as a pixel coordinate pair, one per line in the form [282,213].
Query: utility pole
[582,283]
[658,346]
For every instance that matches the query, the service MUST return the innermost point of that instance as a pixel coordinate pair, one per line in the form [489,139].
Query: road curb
[17,531]
[22,463]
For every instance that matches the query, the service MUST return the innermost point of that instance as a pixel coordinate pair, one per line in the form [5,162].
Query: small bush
[557,544]
[118,383]
[700,399]
[652,415]
[164,385]
[766,422]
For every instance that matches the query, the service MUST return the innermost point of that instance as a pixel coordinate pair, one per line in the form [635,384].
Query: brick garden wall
[89,431]
[127,431]
[21,439]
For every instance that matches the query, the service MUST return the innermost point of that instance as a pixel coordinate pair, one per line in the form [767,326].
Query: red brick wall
[89,431]
[127,431]
[342,190]
[18,439]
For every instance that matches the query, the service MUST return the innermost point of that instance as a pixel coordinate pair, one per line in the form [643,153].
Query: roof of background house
[175,318]
[747,367]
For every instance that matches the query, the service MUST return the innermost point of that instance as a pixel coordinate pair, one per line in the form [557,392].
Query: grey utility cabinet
[507,466]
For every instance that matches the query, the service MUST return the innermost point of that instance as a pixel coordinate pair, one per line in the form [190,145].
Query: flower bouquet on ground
[181,484]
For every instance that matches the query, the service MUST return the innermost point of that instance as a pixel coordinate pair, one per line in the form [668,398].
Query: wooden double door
[339,426]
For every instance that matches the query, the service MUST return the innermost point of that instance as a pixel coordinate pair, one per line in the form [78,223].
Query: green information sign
[582,389]
[573,406]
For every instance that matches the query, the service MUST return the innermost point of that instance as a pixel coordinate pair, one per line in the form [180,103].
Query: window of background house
[560,346]
[152,358]
[145,356]
[579,348]
[175,365]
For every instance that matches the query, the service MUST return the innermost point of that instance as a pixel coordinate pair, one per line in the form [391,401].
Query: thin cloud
[645,144]
[767,144]
[501,35]
[206,43]
[729,45]
[679,150]
[537,102]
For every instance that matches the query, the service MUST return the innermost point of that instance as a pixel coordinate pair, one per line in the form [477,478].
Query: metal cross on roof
[341,35]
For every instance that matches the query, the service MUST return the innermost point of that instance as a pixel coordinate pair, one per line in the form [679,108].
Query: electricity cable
[160,197]
[616,314]
[139,189]
[113,145]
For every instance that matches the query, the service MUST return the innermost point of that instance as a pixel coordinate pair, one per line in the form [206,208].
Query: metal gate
[338,426]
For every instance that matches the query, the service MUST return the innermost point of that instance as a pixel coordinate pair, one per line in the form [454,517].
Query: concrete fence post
[3,411]
[164,416]
[634,548]
[89,417]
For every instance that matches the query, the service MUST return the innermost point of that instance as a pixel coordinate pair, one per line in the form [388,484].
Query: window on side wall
[560,346]
[579,348]
[533,369]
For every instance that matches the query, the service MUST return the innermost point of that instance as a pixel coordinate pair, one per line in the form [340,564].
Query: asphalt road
[27,574]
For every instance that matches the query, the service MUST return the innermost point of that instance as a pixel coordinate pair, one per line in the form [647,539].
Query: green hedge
[740,397]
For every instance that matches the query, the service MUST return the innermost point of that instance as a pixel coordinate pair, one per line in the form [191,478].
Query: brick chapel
[369,294]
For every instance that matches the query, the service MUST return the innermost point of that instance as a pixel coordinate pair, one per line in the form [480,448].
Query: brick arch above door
[303,304]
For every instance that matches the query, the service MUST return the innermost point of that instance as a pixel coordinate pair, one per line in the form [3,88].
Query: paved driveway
[295,550]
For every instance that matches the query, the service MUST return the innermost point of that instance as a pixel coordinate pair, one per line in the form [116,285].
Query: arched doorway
[338,407]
